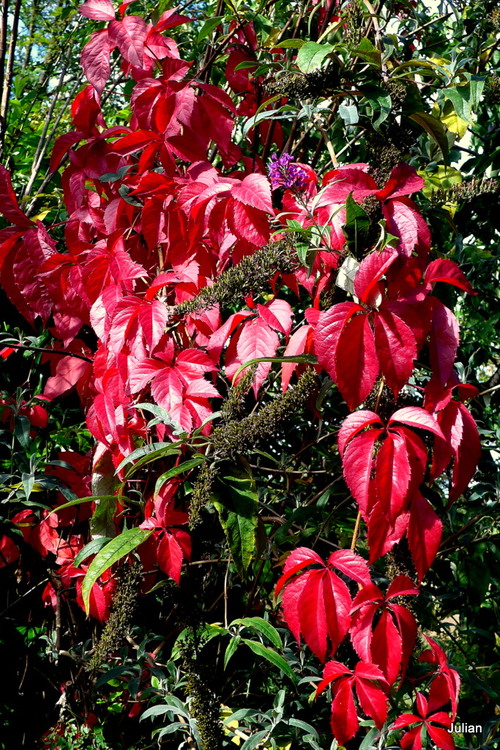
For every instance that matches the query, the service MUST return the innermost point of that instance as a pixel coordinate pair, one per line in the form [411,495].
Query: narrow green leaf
[236,501]
[91,549]
[80,500]
[231,648]
[175,470]
[291,43]
[311,55]
[28,481]
[102,523]
[113,551]
[305,726]
[262,626]
[255,739]
[271,656]
[435,129]
[209,25]
[22,428]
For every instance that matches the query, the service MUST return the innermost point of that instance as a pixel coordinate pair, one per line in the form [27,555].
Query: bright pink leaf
[98,10]
[95,59]
[254,191]
[129,35]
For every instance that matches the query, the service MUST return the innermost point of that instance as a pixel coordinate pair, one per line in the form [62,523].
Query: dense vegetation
[250,373]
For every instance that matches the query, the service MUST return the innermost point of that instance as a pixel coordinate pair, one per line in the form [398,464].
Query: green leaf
[349,113]
[90,549]
[209,25]
[22,428]
[262,626]
[305,359]
[175,470]
[28,481]
[466,98]
[231,648]
[235,499]
[255,739]
[311,56]
[271,656]
[357,225]
[380,102]
[367,51]
[292,43]
[113,551]
[80,500]
[146,454]
[102,523]
[303,725]
[435,129]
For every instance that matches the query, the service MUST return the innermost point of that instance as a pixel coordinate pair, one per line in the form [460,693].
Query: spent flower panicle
[285,174]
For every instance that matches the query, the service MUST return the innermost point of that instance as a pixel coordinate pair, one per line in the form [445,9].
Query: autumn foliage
[153,219]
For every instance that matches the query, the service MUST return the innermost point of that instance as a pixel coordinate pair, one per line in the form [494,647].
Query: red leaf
[129,35]
[415,416]
[344,719]
[297,560]
[356,361]
[396,349]
[254,191]
[467,453]
[391,478]
[169,554]
[441,737]
[62,146]
[370,271]
[446,270]
[98,10]
[405,221]
[351,564]
[354,423]
[248,223]
[69,372]
[133,142]
[424,534]
[9,207]
[357,465]
[9,551]
[386,647]
[300,342]
[372,699]
[317,603]
[277,314]
[444,340]
[257,340]
[403,180]
[95,59]
[327,332]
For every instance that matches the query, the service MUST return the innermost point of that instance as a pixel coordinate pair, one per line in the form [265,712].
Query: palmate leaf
[117,548]
[317,602]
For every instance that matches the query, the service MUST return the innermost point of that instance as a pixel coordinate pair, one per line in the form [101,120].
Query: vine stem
[355,533]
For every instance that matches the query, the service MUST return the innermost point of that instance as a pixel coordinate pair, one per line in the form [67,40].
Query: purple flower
[285,174]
